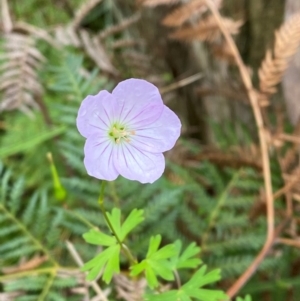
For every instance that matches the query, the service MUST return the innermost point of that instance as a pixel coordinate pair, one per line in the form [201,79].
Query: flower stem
[124,248]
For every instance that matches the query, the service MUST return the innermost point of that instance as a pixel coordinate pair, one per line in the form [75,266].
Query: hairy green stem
[124,248]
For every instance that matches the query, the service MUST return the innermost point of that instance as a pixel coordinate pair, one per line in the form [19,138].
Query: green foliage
[215,207]
[186,259]
[247,298]
[156,262]
[28,229]
[45,13]
[193,289]
[109,259]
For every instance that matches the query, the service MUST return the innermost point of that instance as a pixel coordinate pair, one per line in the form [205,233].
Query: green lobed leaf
[185,260]
[109,258]
[200,279]
[153,245]
[115,219]
[192,289]
[113,263]
[156,262]
[208,295]
[96,237]
[134,218]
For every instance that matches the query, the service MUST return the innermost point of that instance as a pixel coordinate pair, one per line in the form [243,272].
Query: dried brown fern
[83,11]
[287,40]
[95,45]
[153,3]
[223,52]
[206,30]
[67,36]
[119,27]
[185,12]
[124,43]
[129,290]
[19,81]
[96,52]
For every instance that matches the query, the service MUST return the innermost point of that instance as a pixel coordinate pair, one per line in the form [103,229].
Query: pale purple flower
[126,132]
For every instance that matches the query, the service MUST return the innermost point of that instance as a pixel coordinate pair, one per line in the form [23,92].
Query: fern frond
[185,12]
[206,30]
[20,83]
[287,40]
[83,11]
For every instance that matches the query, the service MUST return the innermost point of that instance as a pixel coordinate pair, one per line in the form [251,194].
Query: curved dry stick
[6,18]
[264,152]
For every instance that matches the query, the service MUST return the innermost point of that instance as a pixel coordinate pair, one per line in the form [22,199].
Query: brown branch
[6,18]
[264,152]
[289,242]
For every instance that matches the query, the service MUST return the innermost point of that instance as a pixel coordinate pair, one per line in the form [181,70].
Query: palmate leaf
[109,259]
[185,260]
[193,289]
[156,262]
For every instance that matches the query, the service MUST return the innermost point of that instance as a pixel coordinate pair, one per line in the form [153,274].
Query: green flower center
[119,133]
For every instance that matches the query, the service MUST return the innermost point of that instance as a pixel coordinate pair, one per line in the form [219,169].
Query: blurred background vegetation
[54,53]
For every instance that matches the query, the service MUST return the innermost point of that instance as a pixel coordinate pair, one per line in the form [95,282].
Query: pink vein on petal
[124,157]
[124,119]
[142,154]
[110,155]
[97,127]
[103,149]
[134,158]
[106,114]
[141,142]
[147,137]
[121,110]
[101,119]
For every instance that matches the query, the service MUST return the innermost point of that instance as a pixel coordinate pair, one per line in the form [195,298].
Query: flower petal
[160,136]
[98,158]
[139,102]
[135,164]
[95,113]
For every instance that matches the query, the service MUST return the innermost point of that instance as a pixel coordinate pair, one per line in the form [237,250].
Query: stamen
[119,133]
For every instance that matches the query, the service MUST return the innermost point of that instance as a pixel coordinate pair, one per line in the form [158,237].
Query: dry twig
[120,26]
[83,11]
[6,18]
[153,3]
[264,152]
[79,262]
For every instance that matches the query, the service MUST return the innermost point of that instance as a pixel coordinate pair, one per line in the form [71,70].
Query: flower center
[119,133]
